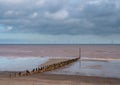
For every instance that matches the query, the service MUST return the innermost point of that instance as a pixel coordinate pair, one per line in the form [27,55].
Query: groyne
[44,68]
[47,67]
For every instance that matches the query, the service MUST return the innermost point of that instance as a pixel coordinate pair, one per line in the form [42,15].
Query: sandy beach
[55,79]
[57,54]
[48,79]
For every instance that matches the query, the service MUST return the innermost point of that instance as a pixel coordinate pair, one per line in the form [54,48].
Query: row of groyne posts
[46,68]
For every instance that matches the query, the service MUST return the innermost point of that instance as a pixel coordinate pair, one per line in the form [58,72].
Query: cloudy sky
[59,21]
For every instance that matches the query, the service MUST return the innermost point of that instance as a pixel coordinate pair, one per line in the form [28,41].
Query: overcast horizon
[59,21]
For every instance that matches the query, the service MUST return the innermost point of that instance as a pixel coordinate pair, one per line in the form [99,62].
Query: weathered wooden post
[80,53]
[80,56]
[27,72]
[20,74]
[10,75]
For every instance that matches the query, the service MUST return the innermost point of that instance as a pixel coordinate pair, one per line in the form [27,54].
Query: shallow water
[20,63]
[109,68]
[92,68]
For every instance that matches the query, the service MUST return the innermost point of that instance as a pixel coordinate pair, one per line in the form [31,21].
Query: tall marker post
[80,57]
[80,53]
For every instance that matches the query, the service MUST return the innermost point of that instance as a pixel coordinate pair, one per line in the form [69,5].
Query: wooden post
[80,56]
[10,75]
[80,53]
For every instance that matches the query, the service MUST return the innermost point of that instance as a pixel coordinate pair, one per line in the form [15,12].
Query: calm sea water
[92,51]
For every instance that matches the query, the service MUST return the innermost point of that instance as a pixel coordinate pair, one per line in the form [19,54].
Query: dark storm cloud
[73,17]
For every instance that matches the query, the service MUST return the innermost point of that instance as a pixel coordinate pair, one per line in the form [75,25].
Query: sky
[59,21]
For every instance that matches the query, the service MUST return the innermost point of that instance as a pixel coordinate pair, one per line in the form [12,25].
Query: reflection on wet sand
[20,63]
[92,68]
[101,68]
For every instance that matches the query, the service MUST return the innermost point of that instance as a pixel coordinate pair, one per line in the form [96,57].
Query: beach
[52,79]
[94,58]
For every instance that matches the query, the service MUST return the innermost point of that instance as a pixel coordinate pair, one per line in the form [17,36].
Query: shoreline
[98,59]
[53,79]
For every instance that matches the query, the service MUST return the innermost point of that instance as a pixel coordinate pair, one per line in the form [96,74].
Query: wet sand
[52,61]
[52,79]
[56,79]
[97,52]
[100,68]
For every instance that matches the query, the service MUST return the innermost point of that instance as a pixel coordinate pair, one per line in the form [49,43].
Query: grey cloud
[84,18]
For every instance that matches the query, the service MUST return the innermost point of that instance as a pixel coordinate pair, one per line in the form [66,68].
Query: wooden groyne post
[80,53]
[80,56]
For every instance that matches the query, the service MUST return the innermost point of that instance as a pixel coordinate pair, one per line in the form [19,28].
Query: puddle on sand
[92,68]
[20,63]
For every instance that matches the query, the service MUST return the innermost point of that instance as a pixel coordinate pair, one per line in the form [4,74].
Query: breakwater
[44,68]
